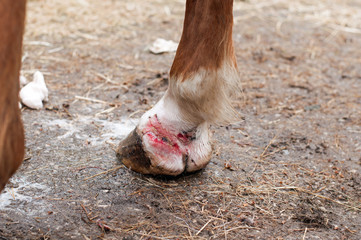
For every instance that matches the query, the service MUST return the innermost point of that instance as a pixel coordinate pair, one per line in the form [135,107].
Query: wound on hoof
[156,150]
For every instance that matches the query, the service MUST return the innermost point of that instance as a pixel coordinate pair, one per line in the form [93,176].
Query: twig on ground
[105,172]
[265,149]
[96,100]
[205,225]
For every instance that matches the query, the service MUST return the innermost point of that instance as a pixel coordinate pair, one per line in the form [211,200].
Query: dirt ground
[290,168]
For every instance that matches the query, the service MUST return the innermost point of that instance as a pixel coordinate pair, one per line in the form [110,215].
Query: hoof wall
[130,152]
[161,153]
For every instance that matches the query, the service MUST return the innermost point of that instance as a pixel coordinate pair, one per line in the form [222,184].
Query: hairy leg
[173,136]
[12,15]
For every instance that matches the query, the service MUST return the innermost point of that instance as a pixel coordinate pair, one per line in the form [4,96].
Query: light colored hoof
[154,152]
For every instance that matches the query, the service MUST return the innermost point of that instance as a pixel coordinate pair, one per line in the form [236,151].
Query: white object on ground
[23,81]
[34,93]
[161,46]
